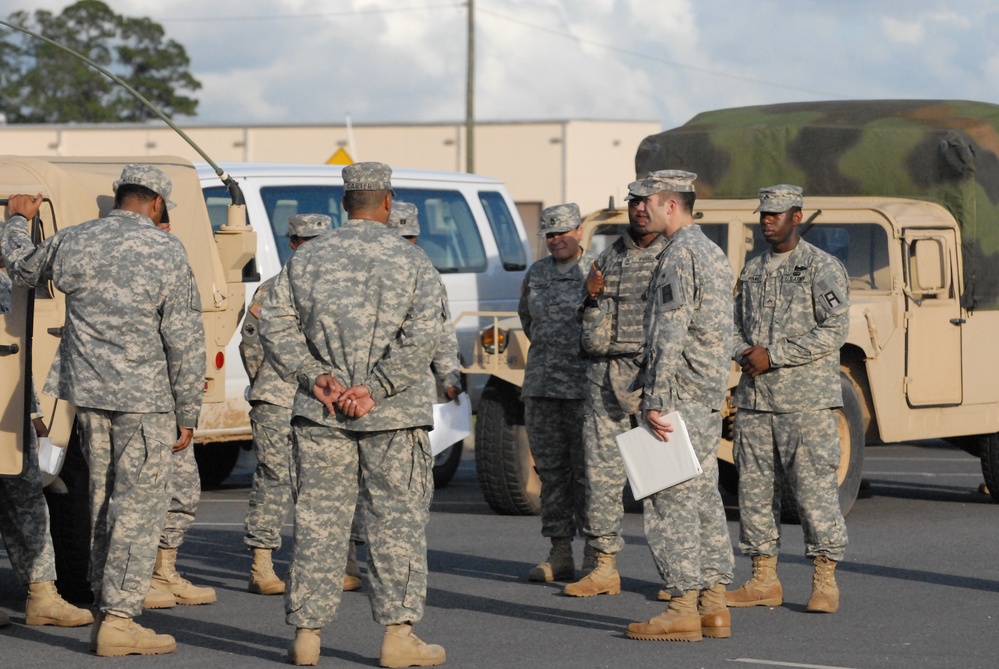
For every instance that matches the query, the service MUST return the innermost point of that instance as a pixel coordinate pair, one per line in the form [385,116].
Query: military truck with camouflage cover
[77,190]
[906,194]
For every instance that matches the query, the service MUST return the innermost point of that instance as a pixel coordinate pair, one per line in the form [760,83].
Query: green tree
[40,83]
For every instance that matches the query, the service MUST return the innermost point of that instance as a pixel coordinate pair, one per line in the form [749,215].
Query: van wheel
[503,457]
[446,464]
[988,453]
[850,426]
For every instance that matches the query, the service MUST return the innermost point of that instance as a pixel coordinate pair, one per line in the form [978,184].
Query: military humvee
[906,195]
[77,190]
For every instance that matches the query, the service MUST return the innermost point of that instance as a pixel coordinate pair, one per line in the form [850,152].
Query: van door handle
[9,349]
[957,321]
[57,332]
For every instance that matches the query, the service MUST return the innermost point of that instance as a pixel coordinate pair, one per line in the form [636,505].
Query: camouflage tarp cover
[944,151]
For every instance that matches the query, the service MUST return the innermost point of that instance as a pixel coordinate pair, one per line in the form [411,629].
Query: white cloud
[404,60]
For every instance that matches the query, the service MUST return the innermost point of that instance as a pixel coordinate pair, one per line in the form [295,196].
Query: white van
[469,227]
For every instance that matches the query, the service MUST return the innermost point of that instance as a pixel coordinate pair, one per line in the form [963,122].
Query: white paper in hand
[452,423]
[50,456]
[654,465]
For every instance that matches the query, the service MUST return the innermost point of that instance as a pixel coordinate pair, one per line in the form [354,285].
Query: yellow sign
[341,157]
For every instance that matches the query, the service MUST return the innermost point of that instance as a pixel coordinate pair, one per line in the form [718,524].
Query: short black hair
[354,200]
[687,199]
[133,191]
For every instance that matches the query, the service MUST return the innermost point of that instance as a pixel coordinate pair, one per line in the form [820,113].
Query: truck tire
[216,461]
[69,524]
[503,458]
[988,453]
[446,464]
[850,425]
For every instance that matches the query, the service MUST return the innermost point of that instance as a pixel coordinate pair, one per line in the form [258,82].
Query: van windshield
[511,249]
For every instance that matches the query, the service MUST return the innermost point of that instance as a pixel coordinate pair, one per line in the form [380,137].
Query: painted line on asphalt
[772,663]
[928,475]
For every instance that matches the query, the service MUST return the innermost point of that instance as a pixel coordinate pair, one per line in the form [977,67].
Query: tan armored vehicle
[77,190]
[906,195]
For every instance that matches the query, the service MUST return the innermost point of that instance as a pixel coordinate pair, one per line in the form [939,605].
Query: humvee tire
[216,461]
[446,464]
[988,453]
[503,458]
[850,425]
[69,520]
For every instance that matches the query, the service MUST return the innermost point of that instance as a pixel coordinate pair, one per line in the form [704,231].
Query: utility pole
[470,93]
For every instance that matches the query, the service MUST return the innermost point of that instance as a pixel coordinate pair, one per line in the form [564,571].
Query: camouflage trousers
[270,493]
[605,476]
[685,525]
[24,522]
[131,464]
[185,493]
[392,470]
[801,448]
[555,432]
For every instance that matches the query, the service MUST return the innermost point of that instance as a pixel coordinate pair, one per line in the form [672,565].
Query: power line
[645,56]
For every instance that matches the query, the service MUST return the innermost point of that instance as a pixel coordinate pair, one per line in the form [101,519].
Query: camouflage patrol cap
[405,218]
[633,189]
[677,181]
[367,176]
[308,225]
[778,199]
[151,177]
[560,218]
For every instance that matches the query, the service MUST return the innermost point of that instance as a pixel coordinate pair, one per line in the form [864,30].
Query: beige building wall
[542,163]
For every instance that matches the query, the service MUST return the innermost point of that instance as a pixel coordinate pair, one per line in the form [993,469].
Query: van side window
[511,249]
[448,232]
[283,202]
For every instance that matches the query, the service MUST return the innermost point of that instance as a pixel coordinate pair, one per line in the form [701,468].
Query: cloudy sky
[315,61]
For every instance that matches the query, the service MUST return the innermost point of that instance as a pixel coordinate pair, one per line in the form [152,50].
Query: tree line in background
[40,83]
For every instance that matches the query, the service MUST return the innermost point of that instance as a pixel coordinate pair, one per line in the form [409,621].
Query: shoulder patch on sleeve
[830,295]
[670,293]
[255,308]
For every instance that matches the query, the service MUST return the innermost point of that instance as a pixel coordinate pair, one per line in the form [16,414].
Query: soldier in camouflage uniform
[354,319]
[446,365]
[24,525]
[791,318]
[168,587]
[271,399]
[688,324]
[132,361]
[554,385]
[614,340]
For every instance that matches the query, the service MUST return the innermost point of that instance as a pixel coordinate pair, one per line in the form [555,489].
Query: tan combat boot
[762,589]
[159,596]
[559,566]
[352,574]
[716,621]
[123,636]
[680,622]
[304,650]
[402,648]
[46,606]
[95,629]
[165,576]
[603,580]
[825,592]
[263,580]
[664,595]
